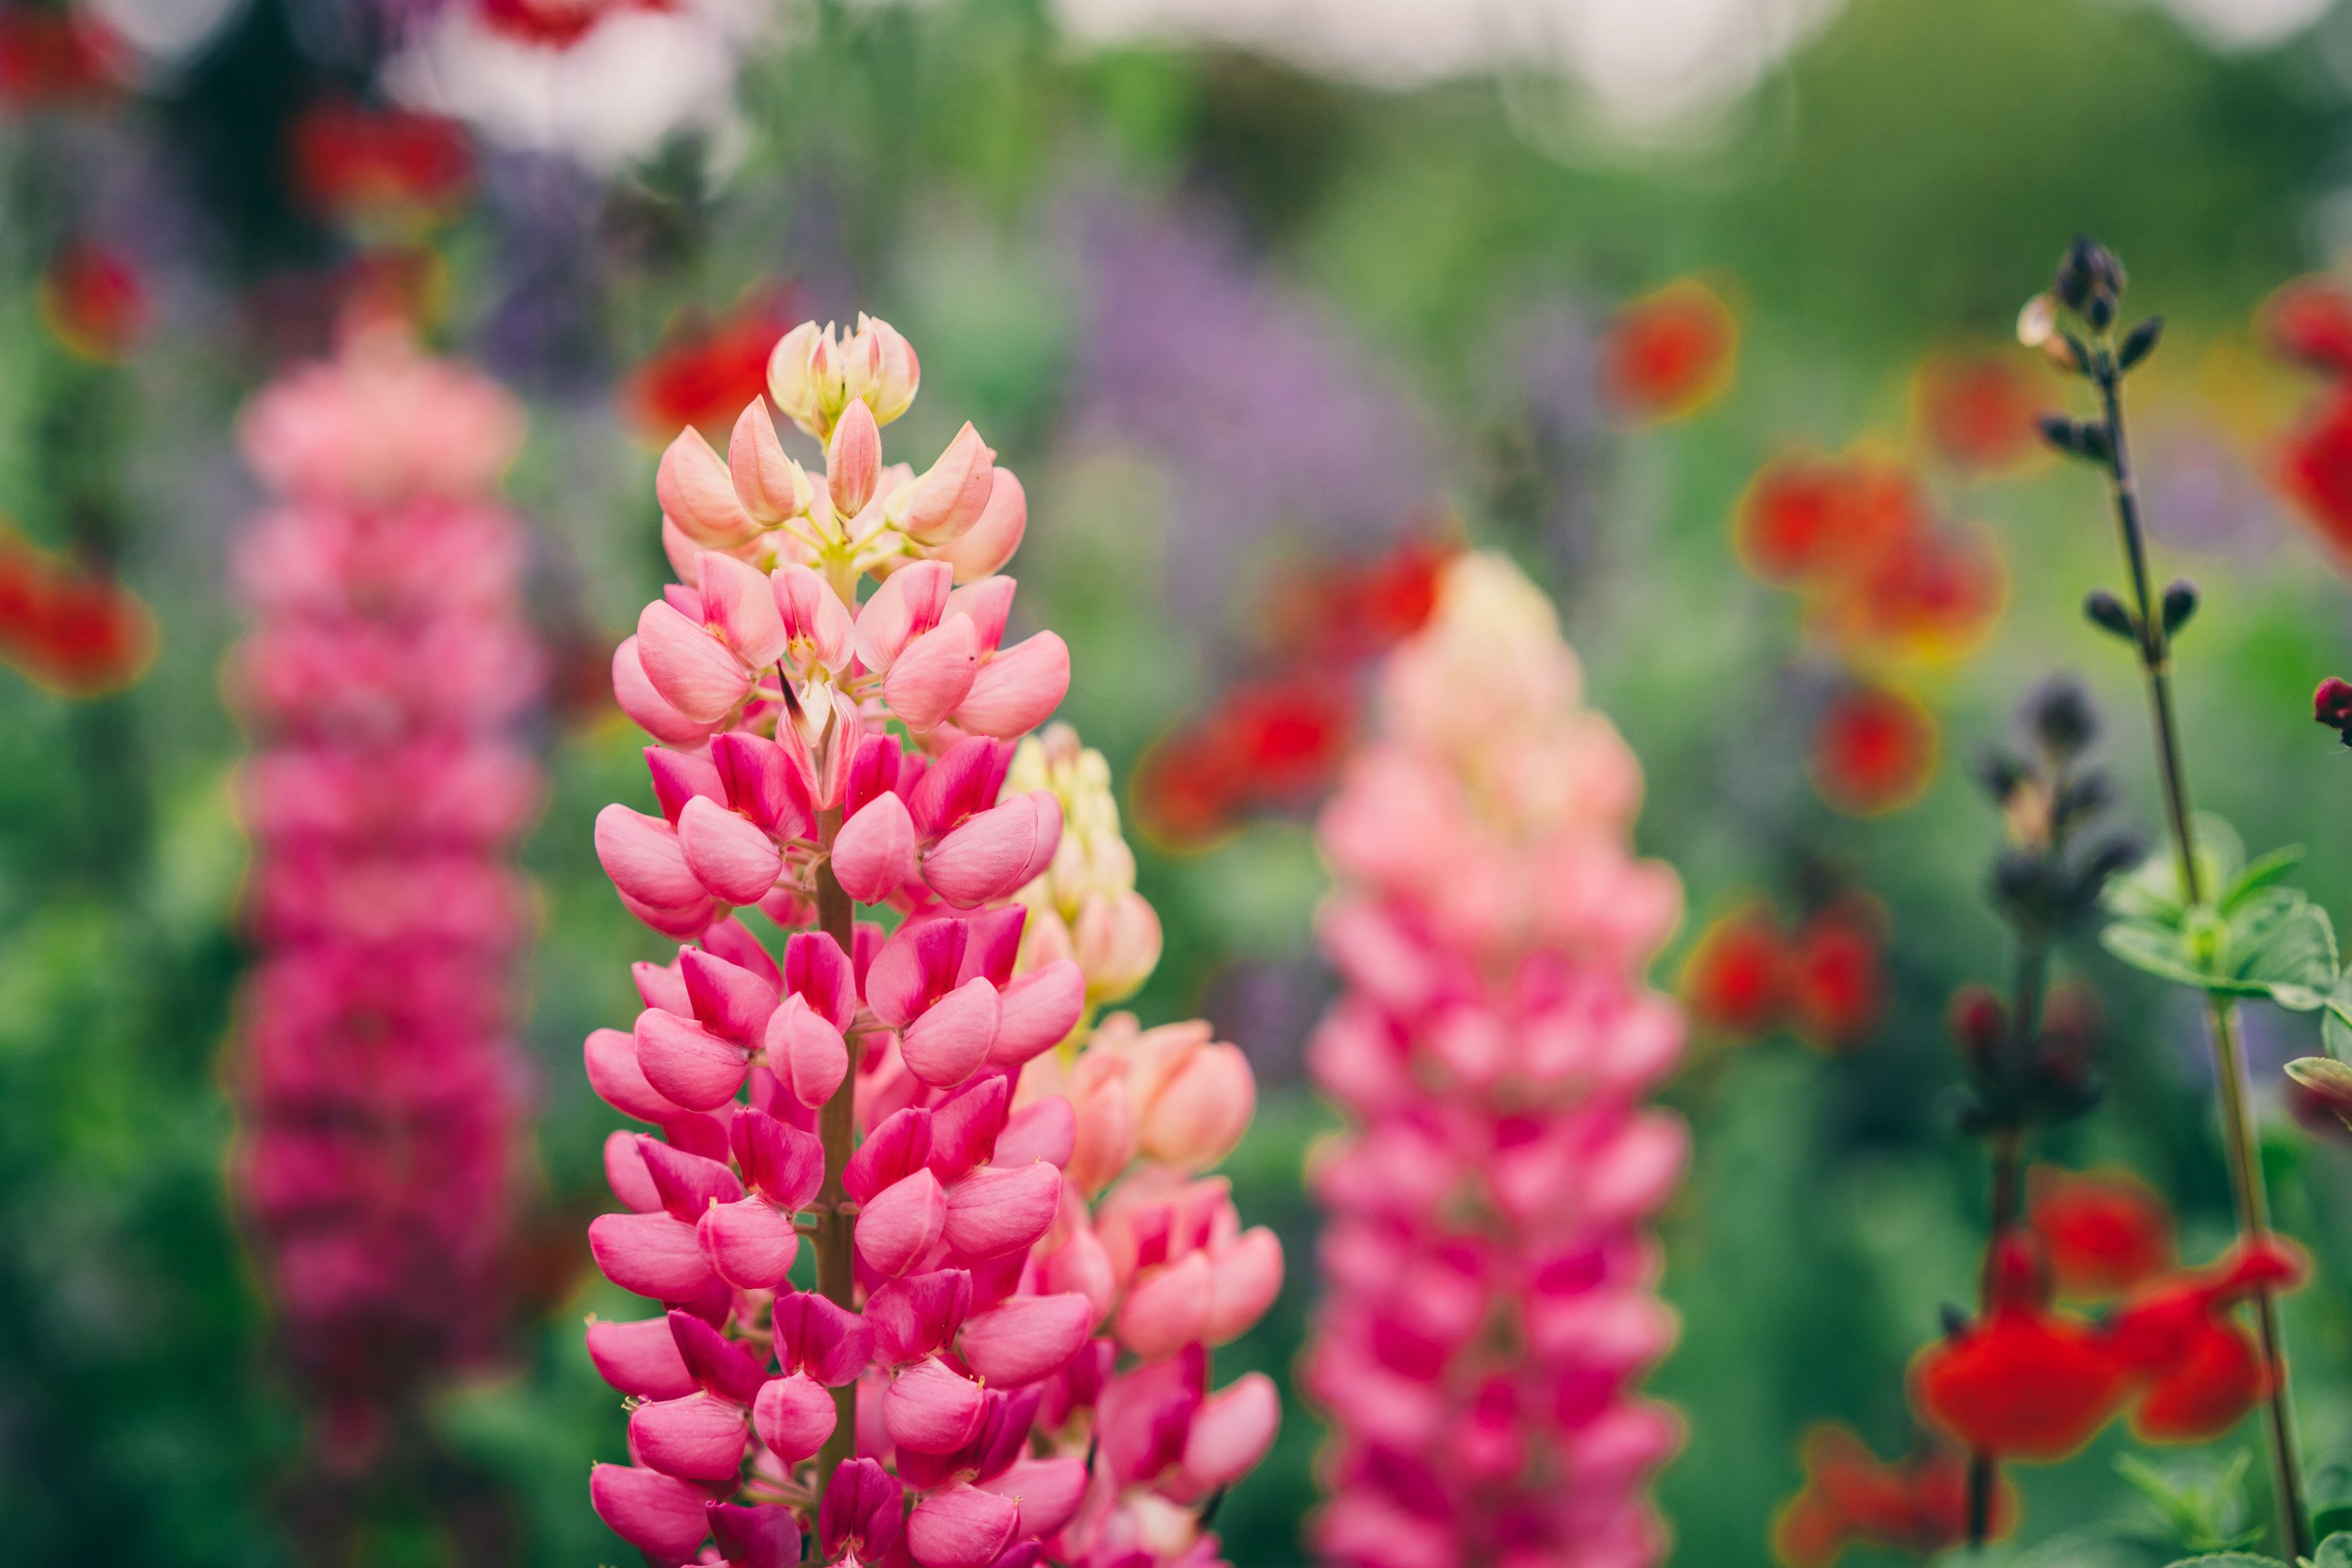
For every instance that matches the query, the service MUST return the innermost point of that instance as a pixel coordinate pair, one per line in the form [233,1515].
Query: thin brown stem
[2221,1019]
[2008,1161]
[836,916]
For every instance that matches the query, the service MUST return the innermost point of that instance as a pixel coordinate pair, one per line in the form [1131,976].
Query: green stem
[2221,1019]
[2007,1159]
[836,916]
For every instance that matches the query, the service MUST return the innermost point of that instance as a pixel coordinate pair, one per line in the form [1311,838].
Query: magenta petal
[931,1409]
[901,1224]
[726,998]
[965,779]
[1231,1432]
[680,776]
[965,1125]
[698,1439]
[830,1342]
[1048,1491]
[861,1512]
[717,1364]
[750,1243]
[991,855]
[1037,1012]
[950,1040]
[960,1527]
[686,1063]
[658,1514]
[894,1150]
[1046,1130]
[620,1082]
[1017,689]
[756,1535]
[918,1315]
[794,1416]
[913,967]
[689,1183]
[1026,1338]
[640,1359]
[650,1254]
[785,1164]
[998,1210]
[816,970]
[736,861]
[663,985]
[625,1171]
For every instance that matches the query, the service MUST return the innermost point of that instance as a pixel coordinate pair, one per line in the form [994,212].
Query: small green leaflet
[2256,938]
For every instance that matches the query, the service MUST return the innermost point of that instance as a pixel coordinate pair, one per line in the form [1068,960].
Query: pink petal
[640,1359]
[686,1063]
[660,1515]
[749,1244]
[996,852]
[950,1041]
[1037,1012]
[1081,1266]
[814,615]
[697,1438]
[899,1146]
[807,1052]
[719,1366]
[625,1170]
[1047,1130]
[1248,1277]
[965,1125]
[853,459]
[734,860]
[783,1165]
[960,1527]
[794,1416]
[699,494]
[680,776]
[738,601]
[768,483]
[1231,1432]
[815,968]
[916,964]
[989,542]
[693,671]
[933,674]
[997,1210]
[649,1254]
[932,1410]
[950,497]
[726,998]
[1017,689]
[647,708]
[688,1183]
[620,1082]
[831,1344]
[909,603]
[1200,1110]
[1026,1338]
[1167,1308]
[901,1224]
[1048,1491]
[874,853]
[914,1316]
[643,856]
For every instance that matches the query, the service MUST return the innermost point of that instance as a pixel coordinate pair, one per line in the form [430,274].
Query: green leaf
[2265,870]
[2336,1024]
[2154,948]
[2228,1559]
[2335,1552]
[2283,946]
[2153,892]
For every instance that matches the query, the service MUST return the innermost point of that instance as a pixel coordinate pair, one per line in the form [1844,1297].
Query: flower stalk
[2089,286]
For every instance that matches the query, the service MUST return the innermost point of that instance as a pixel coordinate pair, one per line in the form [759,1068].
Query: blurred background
[1271,303]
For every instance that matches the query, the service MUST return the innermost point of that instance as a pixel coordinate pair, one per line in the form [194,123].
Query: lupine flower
[1976,410]
[387,670]
[1020,1263]
[95,302]
[1668,353]
[1492,1050]
[1852,1498]
[1873,750]
[380,167]
[76,632]
[1746,978]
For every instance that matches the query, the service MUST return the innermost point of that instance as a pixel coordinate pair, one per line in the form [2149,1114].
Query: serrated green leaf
[2336,1027]
[2152,891]
[2154,948]
[2335,1552]
[2261,873]
[2283,946]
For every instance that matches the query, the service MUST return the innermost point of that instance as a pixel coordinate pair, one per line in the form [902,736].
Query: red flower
[2310,320]
[1838,988]
[1737,981]
[51,58]
[1931,595]
[2022,1382]
[2315,470]
[1978,410]
[706,370]
[2204,1372]
[67,629]
[1874,751]
[1668,353]
[94,301]
[2103,1234]
[352,162]
[1851,1497]
[556,24]
[1339,611]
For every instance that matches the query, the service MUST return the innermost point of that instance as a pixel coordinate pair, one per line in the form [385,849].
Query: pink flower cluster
[382,678]
[994,1348]
[1488,1303]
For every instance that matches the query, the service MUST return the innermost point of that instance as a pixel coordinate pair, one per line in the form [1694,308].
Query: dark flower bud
[1954,1320]
[2100,311]
[2332,705]
[2018,881]
[2107,613]
[2075,273]
[1978,1023]
[2082,798]
[2060,715]
[2061,433]
[2119,852]
[2001,774]
[2139,341]
[2179,603]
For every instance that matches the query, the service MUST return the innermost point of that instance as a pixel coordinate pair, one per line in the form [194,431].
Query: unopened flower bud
[1978,1023]
[853,460]
[2139,341]
[2179,603]
[2107,613]
[2061,716]
[2332,705]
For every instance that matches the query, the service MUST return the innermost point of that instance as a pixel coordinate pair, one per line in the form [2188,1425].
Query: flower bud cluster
[382,680]
[1489,1301]
[939,1284]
